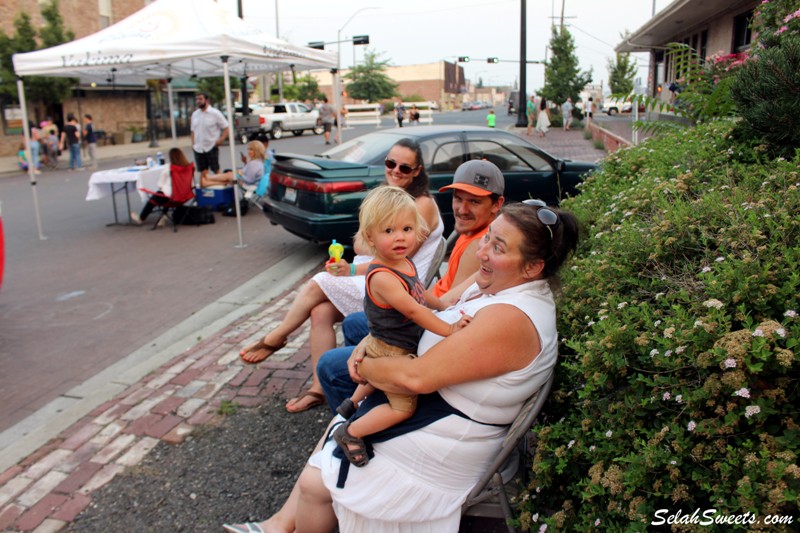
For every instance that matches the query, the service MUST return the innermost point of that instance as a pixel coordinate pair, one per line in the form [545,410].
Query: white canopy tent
[164,40]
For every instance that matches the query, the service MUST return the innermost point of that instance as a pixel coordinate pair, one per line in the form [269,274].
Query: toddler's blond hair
[381,205]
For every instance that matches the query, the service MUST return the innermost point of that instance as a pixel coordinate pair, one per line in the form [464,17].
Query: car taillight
[315,186]
[261,119]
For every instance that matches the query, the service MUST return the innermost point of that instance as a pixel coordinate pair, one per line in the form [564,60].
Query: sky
[426,31]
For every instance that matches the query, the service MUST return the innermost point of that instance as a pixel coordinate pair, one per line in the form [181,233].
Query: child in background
[491,118]
[22,158]
[390,225]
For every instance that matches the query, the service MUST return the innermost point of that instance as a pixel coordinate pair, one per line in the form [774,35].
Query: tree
[369,82]
[305,88]
[46,89]
[563,76]
[621,73]
[51,90]
[215,88]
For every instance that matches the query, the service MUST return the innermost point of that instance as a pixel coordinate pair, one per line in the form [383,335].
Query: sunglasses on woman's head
[546,216]
[391,164]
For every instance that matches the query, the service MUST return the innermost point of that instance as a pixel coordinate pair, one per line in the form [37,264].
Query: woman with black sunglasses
[339,291]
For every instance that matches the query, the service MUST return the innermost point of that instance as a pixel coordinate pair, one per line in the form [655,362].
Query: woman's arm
[481,351]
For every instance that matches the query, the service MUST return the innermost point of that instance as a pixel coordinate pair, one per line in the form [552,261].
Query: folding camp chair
[436,263]
[439,265]
[489,497]
[182,191]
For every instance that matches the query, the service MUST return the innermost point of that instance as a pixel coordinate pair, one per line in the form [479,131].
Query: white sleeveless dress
[417,482]
[347,292]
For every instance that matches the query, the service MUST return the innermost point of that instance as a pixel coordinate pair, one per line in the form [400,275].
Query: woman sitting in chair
[249,175]
[176,158]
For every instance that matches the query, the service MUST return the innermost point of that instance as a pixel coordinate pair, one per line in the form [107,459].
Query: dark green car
[317,197]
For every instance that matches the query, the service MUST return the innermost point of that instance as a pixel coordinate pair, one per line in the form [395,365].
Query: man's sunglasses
[546,216]
[391,164]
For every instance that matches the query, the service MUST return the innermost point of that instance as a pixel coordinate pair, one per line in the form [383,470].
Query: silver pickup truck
[275,119]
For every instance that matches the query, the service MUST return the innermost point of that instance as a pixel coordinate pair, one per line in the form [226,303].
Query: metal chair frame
[489,497]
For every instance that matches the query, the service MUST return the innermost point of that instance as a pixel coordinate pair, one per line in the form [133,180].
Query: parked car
[317,197]
[275,119]
[250,126]
[612,107]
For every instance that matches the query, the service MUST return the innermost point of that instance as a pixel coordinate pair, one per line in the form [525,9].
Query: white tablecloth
[133,177]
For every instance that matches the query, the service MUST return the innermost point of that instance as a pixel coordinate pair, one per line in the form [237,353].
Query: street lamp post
[337,95]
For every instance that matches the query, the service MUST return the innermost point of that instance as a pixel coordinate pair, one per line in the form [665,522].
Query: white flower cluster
[751,410]
[713,302]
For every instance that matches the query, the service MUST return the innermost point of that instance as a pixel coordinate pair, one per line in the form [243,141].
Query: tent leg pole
[172,113]
[31,163]
[231,144]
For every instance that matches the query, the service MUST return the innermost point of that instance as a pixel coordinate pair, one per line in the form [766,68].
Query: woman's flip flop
[316,399]
[259,351]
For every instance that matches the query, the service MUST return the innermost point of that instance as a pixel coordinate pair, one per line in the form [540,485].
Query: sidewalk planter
[123,137]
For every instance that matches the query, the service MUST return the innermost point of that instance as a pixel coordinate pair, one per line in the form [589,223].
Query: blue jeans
[332,366]
[75,156]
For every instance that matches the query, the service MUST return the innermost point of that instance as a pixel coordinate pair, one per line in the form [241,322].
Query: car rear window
[369,149]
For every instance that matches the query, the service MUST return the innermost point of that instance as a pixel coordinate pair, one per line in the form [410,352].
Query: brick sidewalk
[47,490]
[564,144]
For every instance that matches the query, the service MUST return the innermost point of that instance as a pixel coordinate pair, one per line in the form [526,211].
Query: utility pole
[562,15]
[279,73]
[245,99]
[522,119]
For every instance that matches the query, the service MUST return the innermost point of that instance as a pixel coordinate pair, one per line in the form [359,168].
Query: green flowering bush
[679,376]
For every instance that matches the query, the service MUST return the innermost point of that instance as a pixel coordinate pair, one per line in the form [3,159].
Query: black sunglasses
[391,164]
[546,216]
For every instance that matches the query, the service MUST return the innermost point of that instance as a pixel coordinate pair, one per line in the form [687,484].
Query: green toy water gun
[335,251]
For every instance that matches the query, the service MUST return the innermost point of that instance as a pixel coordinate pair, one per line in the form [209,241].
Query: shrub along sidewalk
[678,386]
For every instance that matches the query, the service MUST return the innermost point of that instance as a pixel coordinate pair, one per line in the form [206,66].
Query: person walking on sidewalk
[326,116]
[209,131]
[530,112]
[566,113]
[543,118]
[71,138]
[399,113]
[90,138]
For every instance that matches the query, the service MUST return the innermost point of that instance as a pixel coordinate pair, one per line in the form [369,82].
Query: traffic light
[360,39]
[492,60]
[319,45]
[463,59]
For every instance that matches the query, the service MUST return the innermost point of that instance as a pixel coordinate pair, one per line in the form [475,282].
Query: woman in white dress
[418,481]
[543,119]
[339,291]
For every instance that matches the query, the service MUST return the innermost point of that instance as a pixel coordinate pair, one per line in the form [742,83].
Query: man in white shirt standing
[209,131]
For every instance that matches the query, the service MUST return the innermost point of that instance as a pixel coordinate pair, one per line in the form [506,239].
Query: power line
[590,35]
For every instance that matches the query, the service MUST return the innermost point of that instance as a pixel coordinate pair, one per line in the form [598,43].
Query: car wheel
[297,133]
[318,130]
[277,131]
[613,111]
